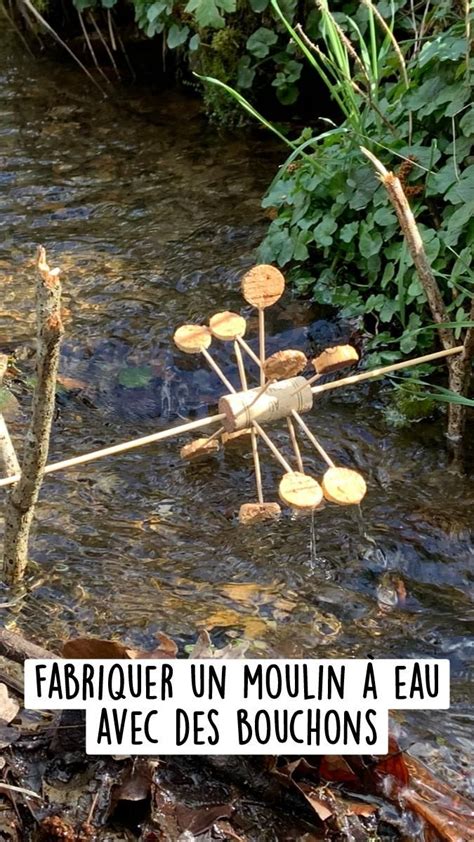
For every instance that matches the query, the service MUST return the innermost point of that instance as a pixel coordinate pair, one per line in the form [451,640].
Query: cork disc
[227,325]
[284,364]
[257,512]
[198,449]
[332,359]
[300,491]
[262,286]
[192,339]
[238,437]
[343,486]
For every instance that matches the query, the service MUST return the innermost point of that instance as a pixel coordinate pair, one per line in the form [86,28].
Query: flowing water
[153,216]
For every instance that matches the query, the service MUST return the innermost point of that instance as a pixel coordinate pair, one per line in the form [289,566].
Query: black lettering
[369,682]
[103,731]
[399,683]
[39,678]
[242,722]
[368,716]
[250,680]
[146,726]
[182,723]
[213,740]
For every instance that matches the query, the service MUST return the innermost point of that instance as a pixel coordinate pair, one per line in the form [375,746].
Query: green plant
[334,225]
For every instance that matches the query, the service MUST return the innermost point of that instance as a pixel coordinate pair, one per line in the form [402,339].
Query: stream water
[153,217]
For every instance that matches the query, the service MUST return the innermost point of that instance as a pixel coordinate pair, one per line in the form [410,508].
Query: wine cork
[284,364]
[238,437]
[241,408]
[227,326]
[257,512]
[192,339]
[262,286]
[343,486]
[332,359]
[198,449]
[300,491]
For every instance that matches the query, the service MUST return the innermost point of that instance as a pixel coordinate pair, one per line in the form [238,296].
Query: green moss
[219,58]
[408,405]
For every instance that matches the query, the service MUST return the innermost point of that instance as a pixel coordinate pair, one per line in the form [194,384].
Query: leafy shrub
[333,222]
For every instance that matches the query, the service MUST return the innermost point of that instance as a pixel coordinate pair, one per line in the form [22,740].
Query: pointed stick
[122,447]
[313,439]
[256,459]
[273,448]
[243,344]
[261,343]
[296,448]
[217,370]
[387,369]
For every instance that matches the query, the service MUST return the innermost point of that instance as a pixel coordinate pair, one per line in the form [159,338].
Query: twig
[416,248]
[90,47]
[22,500]
[55,35]
[106,46]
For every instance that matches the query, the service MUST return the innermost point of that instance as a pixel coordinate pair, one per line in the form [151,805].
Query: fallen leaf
[335,769]
[93,648]
[8,735]
[166,648]
[71,383]
[8,707]
[199,819]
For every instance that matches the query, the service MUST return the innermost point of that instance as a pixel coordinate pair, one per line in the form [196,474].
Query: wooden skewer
[253,434]
[273,448]
[122,448]
[217,370]
[243,344]
[214,436]
[312,439]
[387,369]
[261,343]
[296,448]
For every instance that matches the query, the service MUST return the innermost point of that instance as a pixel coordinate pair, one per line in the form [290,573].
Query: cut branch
[459,366]
[22,499]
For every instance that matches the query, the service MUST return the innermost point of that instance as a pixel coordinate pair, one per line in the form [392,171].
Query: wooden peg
[284,364]
[343,486]
[333,359]
[198,449]
[262,286]
[192,339]
[251,513]
[227,326]
[300,491]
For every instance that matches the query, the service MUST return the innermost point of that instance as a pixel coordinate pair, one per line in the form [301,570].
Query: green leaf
[260,42]
[195,42]
[370,242]
[154,11]
[348,231]
[135,377]
[322,233]
[208,12]
[466,123]
[463,190]
[245,73]
[177,36]
[258,5]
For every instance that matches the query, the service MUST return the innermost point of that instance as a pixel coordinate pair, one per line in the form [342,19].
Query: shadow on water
[153,225]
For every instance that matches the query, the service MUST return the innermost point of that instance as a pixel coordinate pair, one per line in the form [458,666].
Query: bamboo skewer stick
[273,448]
[122,447]
[387,369]
[253,434]
[243,344]
[261,343]
[313,439]
[296,448]
[217,370]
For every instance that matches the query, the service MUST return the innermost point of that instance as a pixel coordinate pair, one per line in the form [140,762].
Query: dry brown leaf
[199,819]
[93,648]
